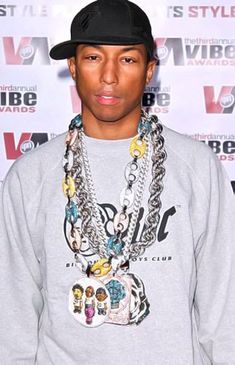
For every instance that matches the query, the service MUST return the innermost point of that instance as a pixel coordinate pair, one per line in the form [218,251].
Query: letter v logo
[13,152]
[12,56]
[225,101]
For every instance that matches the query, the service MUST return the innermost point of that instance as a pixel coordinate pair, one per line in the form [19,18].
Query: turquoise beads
[71,212]
[115,245]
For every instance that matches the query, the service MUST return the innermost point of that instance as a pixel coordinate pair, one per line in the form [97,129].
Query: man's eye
[92,58]
[129,60]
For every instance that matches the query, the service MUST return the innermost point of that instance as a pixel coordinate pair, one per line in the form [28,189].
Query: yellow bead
[101,267]
[137,147]
[69,186]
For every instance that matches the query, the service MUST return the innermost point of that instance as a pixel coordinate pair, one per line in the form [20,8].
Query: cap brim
[67,49]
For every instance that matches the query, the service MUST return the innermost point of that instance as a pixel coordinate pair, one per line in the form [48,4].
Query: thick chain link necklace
[82,212]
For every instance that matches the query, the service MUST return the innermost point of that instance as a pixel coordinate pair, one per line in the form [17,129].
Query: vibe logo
[26,51]
[222,104]
[12,101]
[27,142]
[195,52]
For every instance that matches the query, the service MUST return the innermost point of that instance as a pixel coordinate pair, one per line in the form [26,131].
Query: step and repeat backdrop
[193,90]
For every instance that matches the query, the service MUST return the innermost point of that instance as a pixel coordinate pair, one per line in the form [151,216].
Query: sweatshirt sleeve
[21,300]
[215,263]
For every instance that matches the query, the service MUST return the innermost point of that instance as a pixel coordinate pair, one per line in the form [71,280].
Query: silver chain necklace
[77,167]
[137,202]
[103,295]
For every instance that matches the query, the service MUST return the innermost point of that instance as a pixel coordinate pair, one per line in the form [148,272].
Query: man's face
[110,80]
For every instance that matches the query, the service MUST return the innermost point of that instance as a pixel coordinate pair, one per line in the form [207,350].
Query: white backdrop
[193,91]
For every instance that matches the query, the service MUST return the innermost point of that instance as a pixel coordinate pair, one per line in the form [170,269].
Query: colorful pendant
[68,186]
[101,268]
[129,304]
[137,147]
[115,245]
[89,302]
[119,287]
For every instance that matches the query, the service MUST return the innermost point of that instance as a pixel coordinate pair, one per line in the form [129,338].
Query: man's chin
[109,117]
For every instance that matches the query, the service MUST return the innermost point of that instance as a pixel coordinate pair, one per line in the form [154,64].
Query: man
[162,250]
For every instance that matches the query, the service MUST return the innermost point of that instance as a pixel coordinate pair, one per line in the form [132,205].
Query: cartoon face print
[101,294]
[89,292]
[78,291]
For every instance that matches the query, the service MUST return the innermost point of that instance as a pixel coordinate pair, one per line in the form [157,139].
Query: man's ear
[151,66]
[72,67]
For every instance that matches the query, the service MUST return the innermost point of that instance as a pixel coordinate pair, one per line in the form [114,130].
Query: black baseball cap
[114,22]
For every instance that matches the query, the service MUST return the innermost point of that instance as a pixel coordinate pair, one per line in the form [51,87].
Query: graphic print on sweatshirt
[108,212]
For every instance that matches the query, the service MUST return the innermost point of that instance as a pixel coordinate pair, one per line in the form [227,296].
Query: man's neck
[123,128]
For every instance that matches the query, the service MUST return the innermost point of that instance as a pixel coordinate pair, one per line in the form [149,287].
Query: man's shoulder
[41,160]
[47,152]
[185,147]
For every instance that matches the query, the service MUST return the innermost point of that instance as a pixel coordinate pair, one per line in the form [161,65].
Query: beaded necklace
[82,214]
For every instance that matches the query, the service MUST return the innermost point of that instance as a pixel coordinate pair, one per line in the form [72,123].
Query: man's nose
[109,72]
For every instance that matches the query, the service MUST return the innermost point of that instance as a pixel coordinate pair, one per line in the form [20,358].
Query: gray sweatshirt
[188,273]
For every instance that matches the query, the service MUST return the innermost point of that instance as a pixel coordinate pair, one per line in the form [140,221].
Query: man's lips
[107,99]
